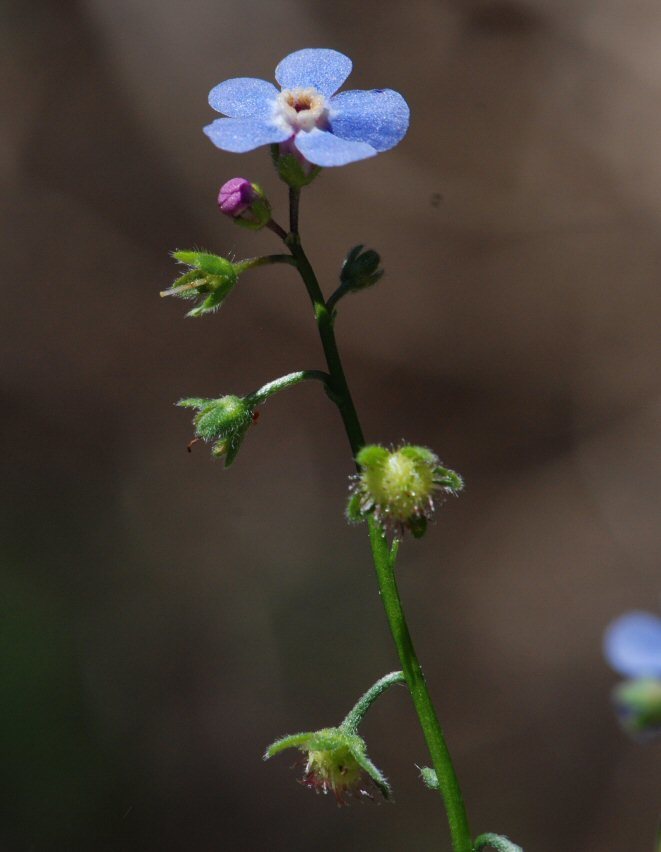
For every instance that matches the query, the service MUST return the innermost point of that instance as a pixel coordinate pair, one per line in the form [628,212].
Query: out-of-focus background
[163,619]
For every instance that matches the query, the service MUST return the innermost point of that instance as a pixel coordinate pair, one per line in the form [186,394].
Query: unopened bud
[244,202]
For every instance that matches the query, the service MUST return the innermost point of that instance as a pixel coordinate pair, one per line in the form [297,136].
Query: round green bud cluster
[401,486]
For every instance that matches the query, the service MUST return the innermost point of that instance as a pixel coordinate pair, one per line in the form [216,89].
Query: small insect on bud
[402,486]
[244,202]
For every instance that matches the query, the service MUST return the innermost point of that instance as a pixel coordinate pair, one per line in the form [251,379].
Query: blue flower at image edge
[632,645]
[306,117]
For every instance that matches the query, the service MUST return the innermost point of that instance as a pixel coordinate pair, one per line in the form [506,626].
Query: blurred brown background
[163,619]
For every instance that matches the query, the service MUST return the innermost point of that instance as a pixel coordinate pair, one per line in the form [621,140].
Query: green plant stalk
[355,716]
[291,379]
[384,557]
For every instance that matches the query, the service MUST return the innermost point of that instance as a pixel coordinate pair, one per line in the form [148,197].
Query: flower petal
[244,97]
[324,70]
[379,117]
[324,149]
[244,134]
[632,645]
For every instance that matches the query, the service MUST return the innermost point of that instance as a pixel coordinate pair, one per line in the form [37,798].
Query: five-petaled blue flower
[632,645]
[307,117]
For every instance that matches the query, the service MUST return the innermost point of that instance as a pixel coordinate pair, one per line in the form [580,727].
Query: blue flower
[306,117]
[632,645]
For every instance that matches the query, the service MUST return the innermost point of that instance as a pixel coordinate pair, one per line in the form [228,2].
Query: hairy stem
[267,390]
[355,716]
[265,260]
[383,556]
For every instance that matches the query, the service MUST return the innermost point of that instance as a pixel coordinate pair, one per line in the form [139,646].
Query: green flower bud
[221,422]
[210,279]
[400,486]
[638,706]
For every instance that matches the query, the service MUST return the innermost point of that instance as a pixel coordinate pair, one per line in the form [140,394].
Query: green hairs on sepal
[496,841]
[210,278]
[222,422]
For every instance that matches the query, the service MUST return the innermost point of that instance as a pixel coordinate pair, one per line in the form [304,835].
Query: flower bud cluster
[210,279]
[223,422]
[401,486]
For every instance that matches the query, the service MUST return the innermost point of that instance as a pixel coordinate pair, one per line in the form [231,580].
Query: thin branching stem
[384,556]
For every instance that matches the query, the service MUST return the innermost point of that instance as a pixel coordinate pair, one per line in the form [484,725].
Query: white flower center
[300,109]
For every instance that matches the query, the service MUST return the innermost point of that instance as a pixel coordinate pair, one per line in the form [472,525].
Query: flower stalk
[384,558]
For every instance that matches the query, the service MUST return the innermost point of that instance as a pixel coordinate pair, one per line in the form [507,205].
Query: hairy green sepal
[222,422]
[291,170]
[496,841]
[210,279]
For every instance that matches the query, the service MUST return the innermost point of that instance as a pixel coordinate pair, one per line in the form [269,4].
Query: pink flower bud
[236,196]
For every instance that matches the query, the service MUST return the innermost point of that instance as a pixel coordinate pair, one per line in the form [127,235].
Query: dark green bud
[360,269]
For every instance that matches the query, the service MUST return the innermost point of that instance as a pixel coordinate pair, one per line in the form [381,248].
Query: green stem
[384,562]
[294,199]
[267,390]
[355,716]
[335,297]
[272,225]
[266,260]
[338,387]
[384,558]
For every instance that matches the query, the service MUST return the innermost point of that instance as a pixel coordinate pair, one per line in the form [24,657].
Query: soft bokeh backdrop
[163,619]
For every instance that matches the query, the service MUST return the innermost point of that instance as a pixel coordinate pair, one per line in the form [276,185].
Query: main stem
[383,556]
